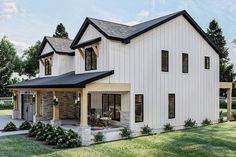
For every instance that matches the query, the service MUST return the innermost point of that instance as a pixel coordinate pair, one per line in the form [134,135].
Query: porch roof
[68,80]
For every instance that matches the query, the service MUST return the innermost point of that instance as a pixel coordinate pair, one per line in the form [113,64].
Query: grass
[5,112]
[211,141]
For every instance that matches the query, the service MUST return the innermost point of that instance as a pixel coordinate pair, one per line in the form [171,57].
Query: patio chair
[107,117]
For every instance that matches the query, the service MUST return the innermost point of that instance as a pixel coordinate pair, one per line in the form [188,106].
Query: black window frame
[142,105]
[169,113]
[48,67]
[184,63]
[207,62]
[164,68]
[115,96]
[92,67]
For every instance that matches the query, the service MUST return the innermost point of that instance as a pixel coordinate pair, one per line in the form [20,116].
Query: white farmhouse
[161,71]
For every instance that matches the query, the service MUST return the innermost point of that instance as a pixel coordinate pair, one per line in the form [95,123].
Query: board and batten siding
[139,63]
[60,63]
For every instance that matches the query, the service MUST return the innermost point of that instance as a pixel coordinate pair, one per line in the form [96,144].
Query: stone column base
[36,119]
[85,135]
[55,123]
[16,114]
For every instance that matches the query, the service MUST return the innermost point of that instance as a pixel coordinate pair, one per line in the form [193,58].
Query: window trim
[185,54]
[91,56]
[207,66]
[47,67]
[142,111]
[170,94]
[162,63]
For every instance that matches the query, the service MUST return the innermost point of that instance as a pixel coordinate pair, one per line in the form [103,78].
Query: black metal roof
[59,45]
[68,80]
[86,43]
[125,33]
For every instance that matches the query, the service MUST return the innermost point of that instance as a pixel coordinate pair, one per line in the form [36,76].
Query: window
[184,62]
[207,62]
[90,59]
[164,61]
[171,106]
[48,67]
[111,103]
[139,108]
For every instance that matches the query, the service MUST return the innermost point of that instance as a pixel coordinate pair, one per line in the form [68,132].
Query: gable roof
[125,33]
[59,45]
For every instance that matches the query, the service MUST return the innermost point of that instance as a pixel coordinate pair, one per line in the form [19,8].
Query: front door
[27,107]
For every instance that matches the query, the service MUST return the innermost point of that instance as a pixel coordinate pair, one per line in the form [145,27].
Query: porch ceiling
[68,80]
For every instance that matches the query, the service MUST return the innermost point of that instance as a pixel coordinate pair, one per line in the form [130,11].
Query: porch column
[37,115]
[56,112]
[229,104]
[16,111]
[84,130]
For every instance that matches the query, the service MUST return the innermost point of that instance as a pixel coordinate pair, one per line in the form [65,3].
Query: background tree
[61,32]
[7,58]
[31,66]
[216,35]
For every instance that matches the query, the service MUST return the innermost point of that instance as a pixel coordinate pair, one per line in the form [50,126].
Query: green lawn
[216,140]
[5,112]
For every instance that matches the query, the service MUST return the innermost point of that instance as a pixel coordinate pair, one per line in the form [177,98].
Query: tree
[215,33]
[31,65]
[61,32]
[7,58]
[18,65]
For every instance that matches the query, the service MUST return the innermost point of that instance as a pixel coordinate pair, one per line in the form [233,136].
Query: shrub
[35,129]
[54,135]
[221,118]
[69,140]
[206,122]
[189,123]
[234,115]
[10,127]
[146,130]
[168,127]
[6,106]
[99,137]
[125,133]
[25,126]
[44,132]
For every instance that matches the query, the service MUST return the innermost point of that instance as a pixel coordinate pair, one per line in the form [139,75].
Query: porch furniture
[106,119]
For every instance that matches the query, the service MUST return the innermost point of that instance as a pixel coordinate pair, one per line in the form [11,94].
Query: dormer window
[48,67]
[90,59]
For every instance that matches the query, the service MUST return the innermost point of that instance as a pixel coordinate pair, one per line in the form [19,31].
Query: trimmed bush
[6,106]
[25,126]
[43,133]
[146,130]
[206,122]
[125,133]
[99,137]
[168,127]
[54,136]
[69,140]
[35,129]
[189,123]
[10,127]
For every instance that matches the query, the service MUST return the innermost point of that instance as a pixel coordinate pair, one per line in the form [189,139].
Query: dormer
[55,57]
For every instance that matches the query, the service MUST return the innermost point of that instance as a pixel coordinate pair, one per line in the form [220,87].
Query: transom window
[207,62]
[48,67]
[171,106]
[90,59]
[139,108]
[164,61]
[184,62]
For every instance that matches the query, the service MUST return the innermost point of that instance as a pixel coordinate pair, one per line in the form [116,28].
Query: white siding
[139,63]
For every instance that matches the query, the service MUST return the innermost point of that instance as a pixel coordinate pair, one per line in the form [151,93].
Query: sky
[26,21]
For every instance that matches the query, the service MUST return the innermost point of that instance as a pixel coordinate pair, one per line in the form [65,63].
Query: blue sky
[26,21]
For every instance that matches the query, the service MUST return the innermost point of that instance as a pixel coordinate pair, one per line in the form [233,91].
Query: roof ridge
[59,38]
[109,21]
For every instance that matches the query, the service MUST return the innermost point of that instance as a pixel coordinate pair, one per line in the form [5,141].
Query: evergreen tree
[61,32]
[215,33]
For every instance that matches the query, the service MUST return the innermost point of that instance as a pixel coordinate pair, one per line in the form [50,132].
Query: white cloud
[7,9]
[139,17]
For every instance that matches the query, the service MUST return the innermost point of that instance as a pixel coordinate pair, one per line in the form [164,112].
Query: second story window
[48,67]
[207,62]
[164,61]
[90,59]
[185,63]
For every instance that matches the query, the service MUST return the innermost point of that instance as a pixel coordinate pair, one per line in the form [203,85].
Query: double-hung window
[48,67]
[90,59]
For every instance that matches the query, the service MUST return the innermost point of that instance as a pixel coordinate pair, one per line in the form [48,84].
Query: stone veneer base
[85,135]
